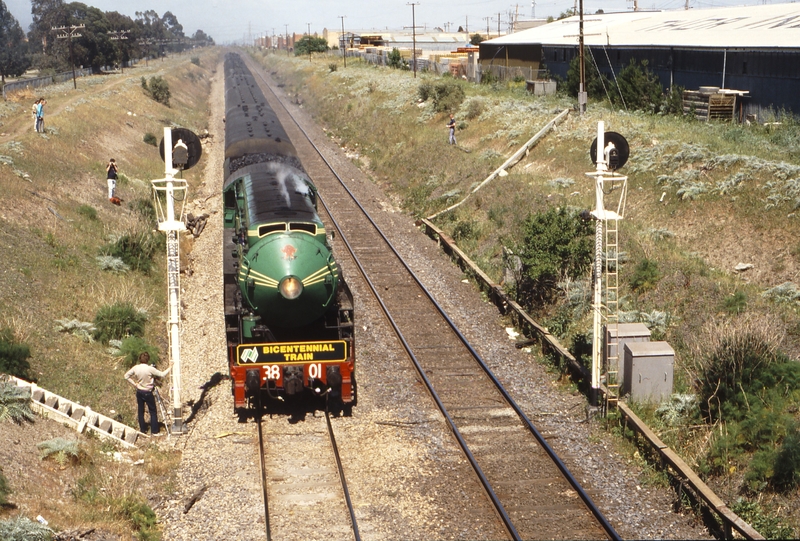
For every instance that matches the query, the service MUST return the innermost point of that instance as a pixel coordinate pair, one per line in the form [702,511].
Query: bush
[735,303]
[24,529]
[132,347]
[645,276]
[88,212]
[196,60]
[557,244]
[771,527]
[145,208]
[136,249]
[332,67]
[15,403]
[158,89]
[118,321]
[446,95]
[394,59]
[150,139]
[637,88]
[13,355]
[786,468]
[5,489]
[61,450]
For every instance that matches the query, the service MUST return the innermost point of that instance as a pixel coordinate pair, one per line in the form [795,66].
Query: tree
[14,59]
[594,81]
[638,87]
[201,38]
[310,44]
[394,59]
[475,39]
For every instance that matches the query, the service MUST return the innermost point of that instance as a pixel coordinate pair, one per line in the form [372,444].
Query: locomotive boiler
[288,311]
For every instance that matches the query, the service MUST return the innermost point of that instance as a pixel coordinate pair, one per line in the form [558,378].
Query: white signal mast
[605,304]
[168,193]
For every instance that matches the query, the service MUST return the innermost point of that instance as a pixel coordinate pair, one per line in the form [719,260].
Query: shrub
[111,263]
[394,60]
[136,249]
[61,450]
[196,60]
[150,139]
[24,529]
[637,88]
[144,207]
[158,89]
[446,95]
[735,303]
[475,107]
[88,212]
[557,245]
[13,355]
[132,347]
[771,527]
[15,403]
[332,67]
[82,329]
[645,276]
[786,468]
[5,489]
[118,321]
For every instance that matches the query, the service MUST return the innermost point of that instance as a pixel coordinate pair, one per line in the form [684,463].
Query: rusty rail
[730,520]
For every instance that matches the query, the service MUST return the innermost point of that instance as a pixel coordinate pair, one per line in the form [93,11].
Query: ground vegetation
[709,237]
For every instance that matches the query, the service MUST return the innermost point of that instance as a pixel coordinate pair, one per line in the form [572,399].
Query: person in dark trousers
[452,126]
[142,377]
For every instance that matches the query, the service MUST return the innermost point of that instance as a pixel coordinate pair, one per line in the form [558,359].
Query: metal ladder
[611,251]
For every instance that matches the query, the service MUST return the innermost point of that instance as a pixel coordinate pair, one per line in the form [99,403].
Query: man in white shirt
[142,377]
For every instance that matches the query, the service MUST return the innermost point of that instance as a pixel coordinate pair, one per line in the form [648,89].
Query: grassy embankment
[702,198]
[56,219]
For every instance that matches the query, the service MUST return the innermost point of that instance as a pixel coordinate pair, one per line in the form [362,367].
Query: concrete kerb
[78,417]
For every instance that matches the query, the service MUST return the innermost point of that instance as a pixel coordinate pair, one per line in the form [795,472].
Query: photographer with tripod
[142,377]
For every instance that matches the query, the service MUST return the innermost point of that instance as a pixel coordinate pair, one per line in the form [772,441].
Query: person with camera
[142,377]
[111,176]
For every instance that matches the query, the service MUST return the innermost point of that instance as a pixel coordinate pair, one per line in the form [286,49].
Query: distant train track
[534,494]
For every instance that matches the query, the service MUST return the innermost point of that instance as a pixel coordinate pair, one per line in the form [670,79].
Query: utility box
[649,371]
[616,337]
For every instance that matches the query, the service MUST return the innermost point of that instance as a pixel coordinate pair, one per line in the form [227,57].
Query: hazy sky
[227,21]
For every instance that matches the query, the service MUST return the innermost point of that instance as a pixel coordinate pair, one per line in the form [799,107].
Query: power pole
[70,32]
[344,42]
[413,37]
[498,25]
[487,19]
[286,27]
[116,35]
[582,96]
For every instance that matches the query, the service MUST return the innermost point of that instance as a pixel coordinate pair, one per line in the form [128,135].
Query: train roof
[277,192]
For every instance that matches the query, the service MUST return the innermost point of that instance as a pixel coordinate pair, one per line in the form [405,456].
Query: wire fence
[39,82]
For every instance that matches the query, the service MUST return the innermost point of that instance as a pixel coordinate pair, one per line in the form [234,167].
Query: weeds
[118,321]
[82,329]
[150,139]
[15,403]
[61,450]
[88,212]
[13,355]
[24,529]
[5,489]
[136,250]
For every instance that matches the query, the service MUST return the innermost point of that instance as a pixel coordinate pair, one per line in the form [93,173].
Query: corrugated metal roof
[764,26]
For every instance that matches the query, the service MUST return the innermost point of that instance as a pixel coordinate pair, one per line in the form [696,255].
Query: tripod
[162,408]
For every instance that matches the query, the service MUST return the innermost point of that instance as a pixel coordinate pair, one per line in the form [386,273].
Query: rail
[730,520]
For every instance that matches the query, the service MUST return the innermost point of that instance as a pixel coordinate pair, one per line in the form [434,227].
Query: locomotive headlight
[290,287]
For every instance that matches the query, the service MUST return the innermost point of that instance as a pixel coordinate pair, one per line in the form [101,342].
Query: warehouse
[752,49]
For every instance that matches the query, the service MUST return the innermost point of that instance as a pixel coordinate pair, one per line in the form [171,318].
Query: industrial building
[754,50]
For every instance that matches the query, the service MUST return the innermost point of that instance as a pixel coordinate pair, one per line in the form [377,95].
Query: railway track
[305,495]
[532,491]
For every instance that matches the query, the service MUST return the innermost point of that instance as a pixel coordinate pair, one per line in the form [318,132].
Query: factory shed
[754,49]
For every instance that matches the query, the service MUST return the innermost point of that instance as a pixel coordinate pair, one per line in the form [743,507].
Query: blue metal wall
[772,77]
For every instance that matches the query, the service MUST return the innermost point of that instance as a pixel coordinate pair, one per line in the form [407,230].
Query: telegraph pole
[582,95]
[69,33]
[286,26]
[413,36]
[118,35]
[344,42]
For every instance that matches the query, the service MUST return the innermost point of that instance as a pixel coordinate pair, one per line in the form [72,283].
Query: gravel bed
[407,478]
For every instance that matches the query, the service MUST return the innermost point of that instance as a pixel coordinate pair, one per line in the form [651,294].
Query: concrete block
[106,424]
[131,435]
[118,430]
[51,400]
[77,412]
[65,407]
[37,395]
[81,428]
[92,418]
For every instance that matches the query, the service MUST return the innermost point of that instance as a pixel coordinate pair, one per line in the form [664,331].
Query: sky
[227,21]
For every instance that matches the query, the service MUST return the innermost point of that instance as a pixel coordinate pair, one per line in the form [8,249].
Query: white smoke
[288,179]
